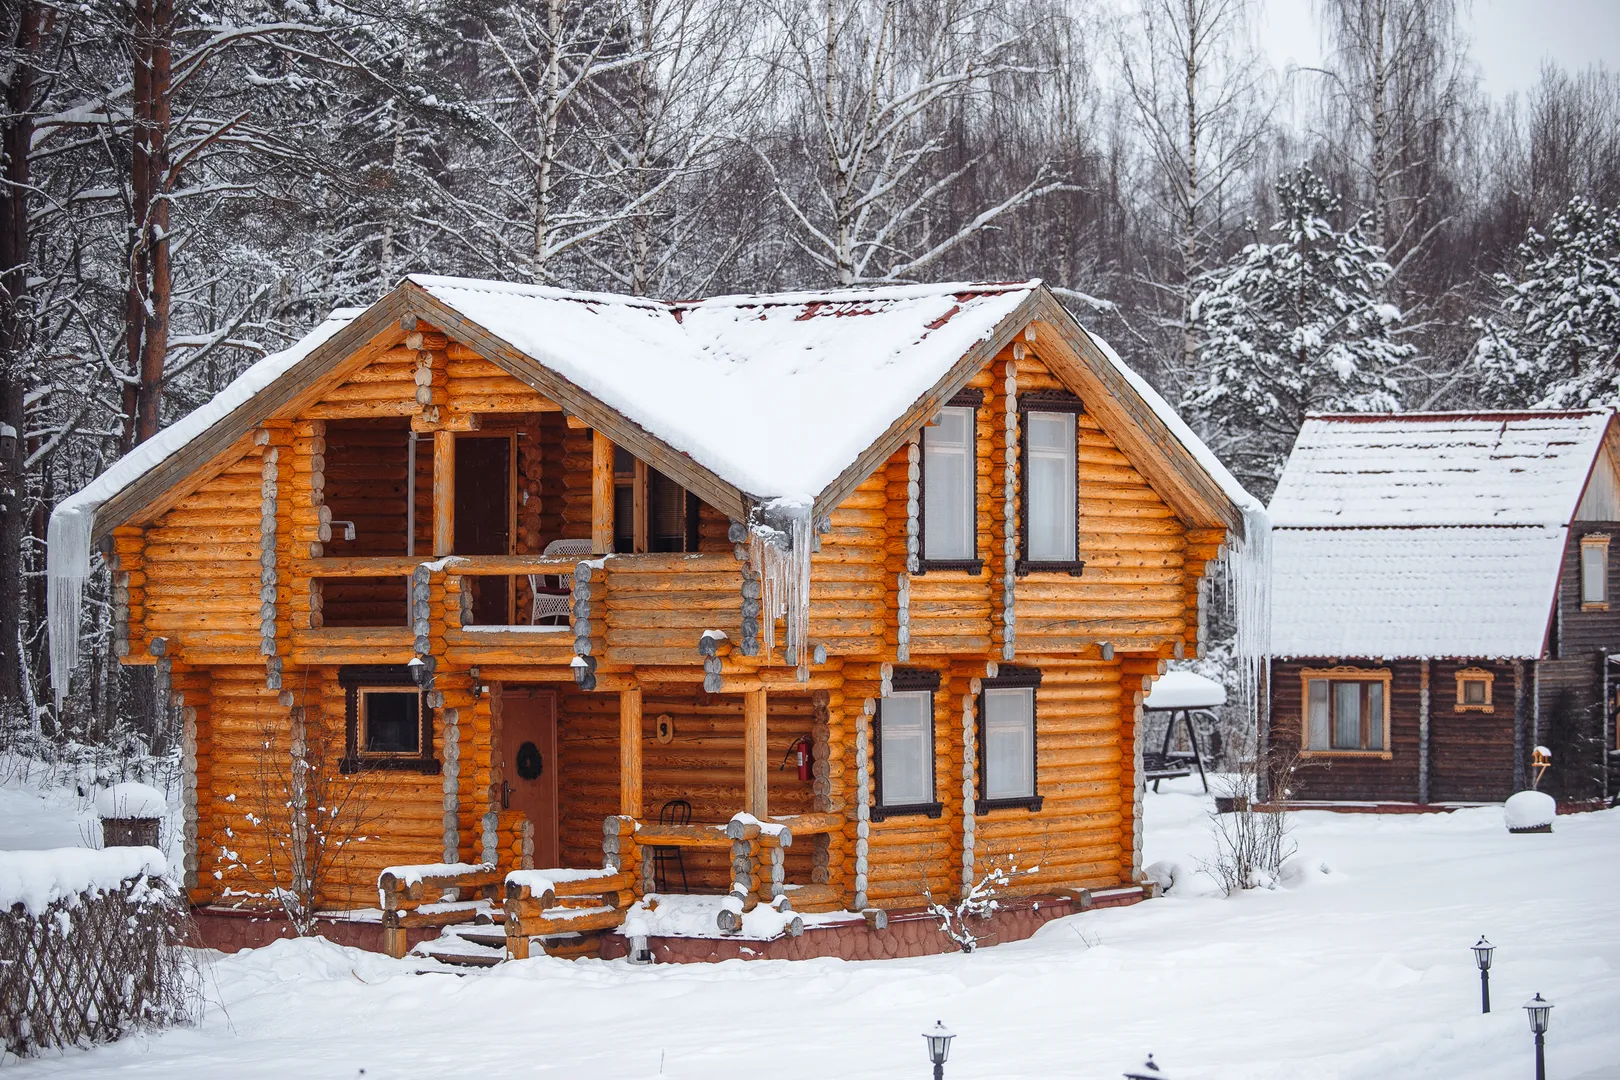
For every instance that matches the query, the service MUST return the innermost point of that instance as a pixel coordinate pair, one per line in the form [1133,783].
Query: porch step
[485,946]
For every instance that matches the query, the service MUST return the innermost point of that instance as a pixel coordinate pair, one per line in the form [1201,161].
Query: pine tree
[1555,340]
[1293,327]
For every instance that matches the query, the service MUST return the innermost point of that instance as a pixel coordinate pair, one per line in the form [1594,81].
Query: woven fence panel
[93,966]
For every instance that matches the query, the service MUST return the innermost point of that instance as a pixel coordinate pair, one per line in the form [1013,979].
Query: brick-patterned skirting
[229,929]
[909,933]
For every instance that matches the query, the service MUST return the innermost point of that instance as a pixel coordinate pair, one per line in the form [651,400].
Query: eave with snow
[1451,572]
[659,546]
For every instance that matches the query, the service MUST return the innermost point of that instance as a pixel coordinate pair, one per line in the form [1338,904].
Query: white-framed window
[905,747]
[1595,572]
[1007,740]
[1050,490]
[1346,711]
[949,485]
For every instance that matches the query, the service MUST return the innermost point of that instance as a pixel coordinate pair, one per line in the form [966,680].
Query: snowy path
[1362,973]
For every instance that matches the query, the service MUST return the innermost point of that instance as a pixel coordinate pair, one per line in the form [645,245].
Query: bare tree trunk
[16,322]
[154,237]
[550,114]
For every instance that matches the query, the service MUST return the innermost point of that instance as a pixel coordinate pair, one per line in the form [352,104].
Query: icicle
[67,567]
[779,549]
[1247,568]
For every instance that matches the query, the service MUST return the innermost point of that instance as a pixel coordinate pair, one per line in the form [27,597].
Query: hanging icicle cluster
[67,568]
[1247,568]
[779,549]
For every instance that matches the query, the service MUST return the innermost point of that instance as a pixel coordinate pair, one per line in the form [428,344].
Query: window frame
[1598,542]
[1011,678]
[639,481]
[964,399]
[1052,401]
[357,679]
[907,680]
[1475,675]
[1344,673]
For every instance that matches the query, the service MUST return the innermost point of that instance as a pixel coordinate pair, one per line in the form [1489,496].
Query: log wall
[1348,777]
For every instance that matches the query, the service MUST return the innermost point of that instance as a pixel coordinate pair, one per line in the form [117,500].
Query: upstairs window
[949,508]
[1346,711]
[905,747]
[651,512]
[1051,521]
[1007,741]
[1595,572]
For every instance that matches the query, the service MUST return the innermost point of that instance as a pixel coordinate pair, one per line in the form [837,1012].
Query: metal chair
[674,812]
[553,600]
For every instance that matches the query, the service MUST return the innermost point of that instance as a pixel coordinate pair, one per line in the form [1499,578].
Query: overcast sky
[1510,37]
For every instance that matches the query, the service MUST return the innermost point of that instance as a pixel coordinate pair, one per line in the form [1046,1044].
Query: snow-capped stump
[131,815]
[1530,811]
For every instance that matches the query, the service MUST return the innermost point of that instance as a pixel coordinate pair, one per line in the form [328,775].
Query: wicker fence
[93,965]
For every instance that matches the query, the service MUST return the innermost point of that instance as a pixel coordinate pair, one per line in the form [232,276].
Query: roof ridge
[1493,415]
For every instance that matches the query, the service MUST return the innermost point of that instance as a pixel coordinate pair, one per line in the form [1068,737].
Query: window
[1595,572]
[1007,741]
[905,747]
[389,725]
[651,512]
[1050,516]
[949,509]
[1474,688]
[1346,711]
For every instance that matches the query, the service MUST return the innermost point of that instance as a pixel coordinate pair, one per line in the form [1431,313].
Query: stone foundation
[909,933]
[230,929]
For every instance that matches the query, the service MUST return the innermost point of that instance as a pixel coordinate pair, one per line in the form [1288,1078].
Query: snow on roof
[775,394]
[1420,592]
[1505,468]
[1184,690]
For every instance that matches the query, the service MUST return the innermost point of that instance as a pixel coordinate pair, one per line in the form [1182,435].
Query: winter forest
[189,186]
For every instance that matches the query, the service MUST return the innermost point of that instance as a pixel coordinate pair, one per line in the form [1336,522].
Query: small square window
[1474,690]
[388,723]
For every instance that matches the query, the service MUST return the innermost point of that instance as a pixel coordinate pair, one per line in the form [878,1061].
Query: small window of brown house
[1474,690]
[388,722]
[1595,572]
[1346,711]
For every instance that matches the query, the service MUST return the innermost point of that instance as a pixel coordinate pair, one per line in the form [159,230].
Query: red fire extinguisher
[800,754]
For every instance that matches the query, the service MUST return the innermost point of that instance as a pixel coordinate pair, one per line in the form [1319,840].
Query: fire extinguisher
[800,754]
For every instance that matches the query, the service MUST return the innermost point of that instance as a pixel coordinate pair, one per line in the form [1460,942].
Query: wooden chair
[553,600]
[674,812]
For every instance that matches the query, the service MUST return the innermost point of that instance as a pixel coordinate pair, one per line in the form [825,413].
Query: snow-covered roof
[1184,690]
[1505,468]
[1436,534]
[775,394]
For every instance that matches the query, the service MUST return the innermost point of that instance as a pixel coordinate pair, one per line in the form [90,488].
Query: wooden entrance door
[529,764]
[483,517]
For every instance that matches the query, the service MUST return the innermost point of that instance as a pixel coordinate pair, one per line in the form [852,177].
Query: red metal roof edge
[1503,415]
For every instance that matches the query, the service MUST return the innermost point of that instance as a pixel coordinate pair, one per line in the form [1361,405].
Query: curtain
[1375,716]
[1051,487]
[666,513]
[1346,716]
[1009,743]
[1318,735]
[948,478]
[1594,573]
[906,743]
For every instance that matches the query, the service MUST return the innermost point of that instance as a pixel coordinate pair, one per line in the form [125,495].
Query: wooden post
[755,775]
[630,752]
[1521,720]
[601,493]
[444,493]
[638,503]
[1423,733]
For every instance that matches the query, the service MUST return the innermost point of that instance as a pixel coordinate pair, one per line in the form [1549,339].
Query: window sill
[1032,803]
[1375,755]
[427,765]
[1024,568]
[968,566]
[1476,708]
[932,809]
[1594,607]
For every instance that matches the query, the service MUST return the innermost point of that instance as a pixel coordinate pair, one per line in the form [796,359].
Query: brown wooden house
[526,577]
[1444,603]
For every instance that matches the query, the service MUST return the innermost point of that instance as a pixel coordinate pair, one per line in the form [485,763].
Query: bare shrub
[1251,843]
[977,904]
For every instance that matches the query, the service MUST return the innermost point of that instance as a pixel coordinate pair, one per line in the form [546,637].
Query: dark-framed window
[1007,741]
[903,738]
[388,724]
[948,488]
[1049,503]
[651,512]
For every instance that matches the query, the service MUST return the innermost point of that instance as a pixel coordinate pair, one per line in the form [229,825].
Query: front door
[529,763]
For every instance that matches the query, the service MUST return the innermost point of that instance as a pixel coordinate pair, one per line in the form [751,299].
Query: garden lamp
[1482,956]
[1149,1070]
[939,1047]
[1539,1009]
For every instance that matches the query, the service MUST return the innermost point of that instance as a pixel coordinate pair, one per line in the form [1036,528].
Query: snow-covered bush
[1529,810]
[1251,844]
[977,905]
[92,947]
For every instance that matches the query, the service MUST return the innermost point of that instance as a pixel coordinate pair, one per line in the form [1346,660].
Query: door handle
[506,795]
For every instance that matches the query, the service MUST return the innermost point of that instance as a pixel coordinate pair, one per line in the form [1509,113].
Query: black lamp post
[939,1047]
[1149,1071]
[1539,1009]
[1482,956]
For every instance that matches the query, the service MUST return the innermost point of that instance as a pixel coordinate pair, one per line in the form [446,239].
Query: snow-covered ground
[37,811]
[1363,971]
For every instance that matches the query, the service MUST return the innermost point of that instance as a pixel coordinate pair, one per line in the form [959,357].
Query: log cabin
[833,602]
[1444,604]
